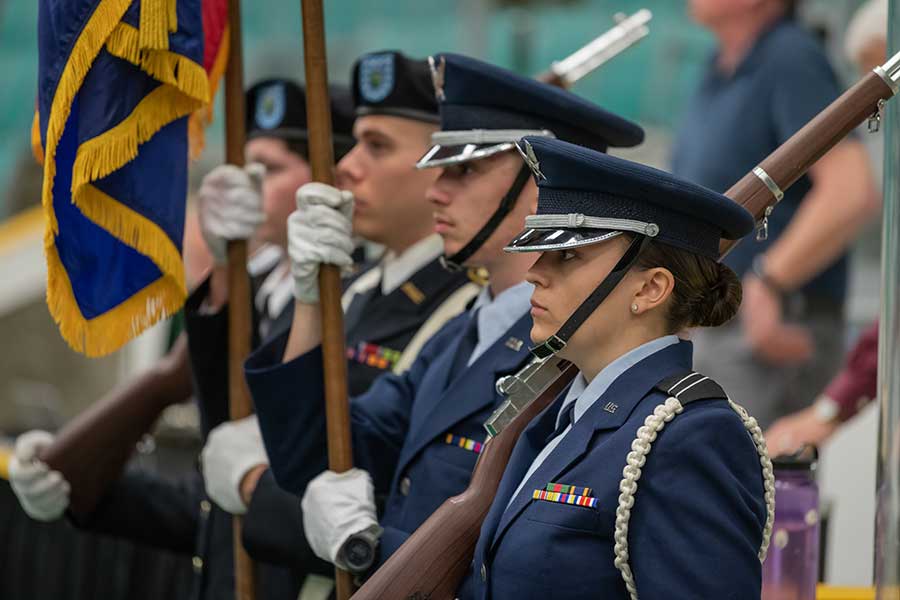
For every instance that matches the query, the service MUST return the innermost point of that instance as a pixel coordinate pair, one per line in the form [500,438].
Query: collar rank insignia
[413,293]
[437,76]
[611,407]
[463,442]
[514,344]
[564,498]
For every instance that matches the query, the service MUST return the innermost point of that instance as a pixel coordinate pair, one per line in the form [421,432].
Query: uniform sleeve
[144,507]
[699,505]
[273,530]
[289,400]
[208,347]
[803,86]
[857,382]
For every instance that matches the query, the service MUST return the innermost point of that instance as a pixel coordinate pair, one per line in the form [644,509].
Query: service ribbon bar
[564,498]
[568,489]
[464,443]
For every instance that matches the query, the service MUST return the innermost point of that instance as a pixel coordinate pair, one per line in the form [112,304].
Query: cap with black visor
[587,197]
[485,110]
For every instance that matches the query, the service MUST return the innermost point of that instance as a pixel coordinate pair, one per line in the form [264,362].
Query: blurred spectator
[855,385]
[766,80]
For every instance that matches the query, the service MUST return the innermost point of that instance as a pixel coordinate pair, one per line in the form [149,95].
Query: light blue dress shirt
[584,394]
[497,315]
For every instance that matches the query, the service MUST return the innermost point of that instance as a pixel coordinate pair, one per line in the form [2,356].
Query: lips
[442,224]
[537,308]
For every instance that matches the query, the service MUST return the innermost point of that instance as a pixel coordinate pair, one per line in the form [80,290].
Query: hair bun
[721,302]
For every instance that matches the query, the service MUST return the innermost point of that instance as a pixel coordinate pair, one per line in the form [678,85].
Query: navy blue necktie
[566,418]
[466,347]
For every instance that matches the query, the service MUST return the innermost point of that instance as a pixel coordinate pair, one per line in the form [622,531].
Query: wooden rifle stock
[92,449]
[433,561]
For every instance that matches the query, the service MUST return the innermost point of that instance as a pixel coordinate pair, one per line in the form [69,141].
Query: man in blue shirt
[767,78]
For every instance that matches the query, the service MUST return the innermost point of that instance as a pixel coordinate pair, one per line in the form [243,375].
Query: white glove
[319,231]
[232,449]
[230,206]
[43,494]
[336,506]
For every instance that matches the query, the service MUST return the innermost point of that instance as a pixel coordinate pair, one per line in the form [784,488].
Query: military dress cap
[485,109]
[586,197]
[277,108]
[389,83]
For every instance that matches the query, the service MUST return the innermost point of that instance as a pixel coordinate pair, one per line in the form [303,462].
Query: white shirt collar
[397,269]
[275,291]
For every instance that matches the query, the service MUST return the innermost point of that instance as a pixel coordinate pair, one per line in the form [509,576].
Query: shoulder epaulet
[690,386]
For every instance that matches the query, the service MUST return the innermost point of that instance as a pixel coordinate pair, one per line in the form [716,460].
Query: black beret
[277,108]
[389,83]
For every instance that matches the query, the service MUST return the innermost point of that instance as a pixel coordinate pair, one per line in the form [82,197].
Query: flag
[117,81]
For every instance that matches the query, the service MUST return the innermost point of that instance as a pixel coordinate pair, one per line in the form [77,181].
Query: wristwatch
[358,552]
[826,409]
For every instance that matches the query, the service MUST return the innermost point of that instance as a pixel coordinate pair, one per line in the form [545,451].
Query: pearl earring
[634,308]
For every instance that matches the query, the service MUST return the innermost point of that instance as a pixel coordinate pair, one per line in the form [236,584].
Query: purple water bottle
[792,567]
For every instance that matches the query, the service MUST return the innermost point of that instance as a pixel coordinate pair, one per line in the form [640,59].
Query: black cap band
[455,263]
[559,340]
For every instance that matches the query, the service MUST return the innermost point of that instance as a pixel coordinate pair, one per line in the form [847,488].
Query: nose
[349,169]
[438,192]
[539,273]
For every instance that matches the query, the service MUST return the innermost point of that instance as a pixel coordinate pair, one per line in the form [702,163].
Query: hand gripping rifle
[431,563]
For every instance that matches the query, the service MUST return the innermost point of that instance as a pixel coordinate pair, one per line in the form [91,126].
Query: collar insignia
[514,344]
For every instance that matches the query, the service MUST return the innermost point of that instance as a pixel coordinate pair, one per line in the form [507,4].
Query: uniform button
[205,506]
[483,572]
[197,563]
[405,484]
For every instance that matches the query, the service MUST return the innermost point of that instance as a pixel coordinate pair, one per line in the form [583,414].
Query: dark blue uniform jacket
[698,515]
[400,426]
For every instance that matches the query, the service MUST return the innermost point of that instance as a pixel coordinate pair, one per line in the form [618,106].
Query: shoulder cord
[640,448]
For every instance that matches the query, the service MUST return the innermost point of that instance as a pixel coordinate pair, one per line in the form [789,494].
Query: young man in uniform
[396,304]
[767,78]
[416,436]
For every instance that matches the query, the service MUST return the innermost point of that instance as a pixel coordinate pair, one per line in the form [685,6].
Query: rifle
[92,449]
[432,562]
[627,32]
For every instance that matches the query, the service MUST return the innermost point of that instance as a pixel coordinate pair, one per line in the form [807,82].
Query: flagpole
[321,158]
[239,319]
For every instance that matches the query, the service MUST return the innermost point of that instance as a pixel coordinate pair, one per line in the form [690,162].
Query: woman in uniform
[643,479]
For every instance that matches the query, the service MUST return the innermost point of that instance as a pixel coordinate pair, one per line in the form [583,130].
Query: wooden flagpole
[321,158]
[239,318]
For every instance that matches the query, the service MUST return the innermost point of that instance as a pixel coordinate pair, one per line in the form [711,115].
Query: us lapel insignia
[413,293]
[611,407]
[514,344]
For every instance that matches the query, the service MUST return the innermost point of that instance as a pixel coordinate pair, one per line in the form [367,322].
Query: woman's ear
[658,285]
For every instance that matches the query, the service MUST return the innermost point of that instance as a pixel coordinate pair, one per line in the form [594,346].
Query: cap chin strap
[455,263]
[559,340]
